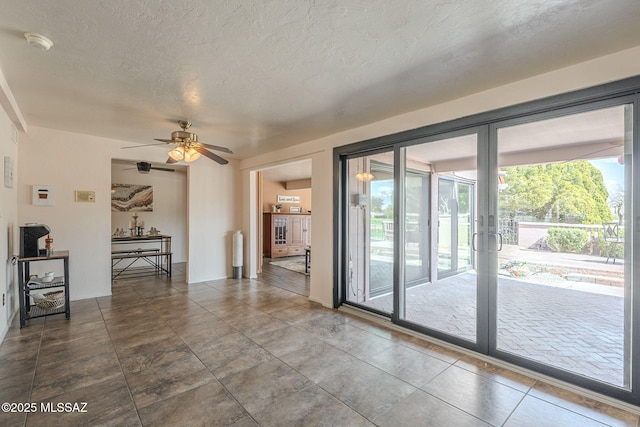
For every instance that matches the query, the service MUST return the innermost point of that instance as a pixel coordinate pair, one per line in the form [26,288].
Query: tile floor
[244,353]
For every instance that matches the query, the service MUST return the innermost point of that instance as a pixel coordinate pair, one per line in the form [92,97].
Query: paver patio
[576,326]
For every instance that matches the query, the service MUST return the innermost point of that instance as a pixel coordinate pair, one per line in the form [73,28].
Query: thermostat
[85,196]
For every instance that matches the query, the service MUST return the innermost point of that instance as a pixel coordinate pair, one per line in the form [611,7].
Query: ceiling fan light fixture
[188,148]
[184,136]
[177,153]
[191,155]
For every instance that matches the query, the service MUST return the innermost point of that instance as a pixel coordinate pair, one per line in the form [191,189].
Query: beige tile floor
[245,352]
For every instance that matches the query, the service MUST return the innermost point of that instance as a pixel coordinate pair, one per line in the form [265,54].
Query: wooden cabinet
[286,234]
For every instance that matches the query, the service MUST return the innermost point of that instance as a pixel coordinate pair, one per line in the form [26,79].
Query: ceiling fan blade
[144,145]
[212,156]
[163,169]
[216,147]
[170,160]
[168,141]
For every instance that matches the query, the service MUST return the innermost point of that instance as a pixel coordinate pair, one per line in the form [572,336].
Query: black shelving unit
[28,285]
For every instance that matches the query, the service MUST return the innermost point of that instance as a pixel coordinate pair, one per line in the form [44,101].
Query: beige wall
[8,225]
[594,72]
[272,189]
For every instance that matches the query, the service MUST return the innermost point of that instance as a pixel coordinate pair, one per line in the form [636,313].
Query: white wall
[169,213]
[70,161]
[598,71]
[8,226]
[214,214]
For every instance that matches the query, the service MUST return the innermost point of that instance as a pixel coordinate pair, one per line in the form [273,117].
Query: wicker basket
[49,300]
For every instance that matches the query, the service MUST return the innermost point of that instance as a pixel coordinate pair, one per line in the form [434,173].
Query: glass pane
[440,208]
[564,192]
[446,199]
[465,224]
[416,225]
[370,233]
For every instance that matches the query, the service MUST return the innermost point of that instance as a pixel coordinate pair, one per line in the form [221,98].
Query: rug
[296,265]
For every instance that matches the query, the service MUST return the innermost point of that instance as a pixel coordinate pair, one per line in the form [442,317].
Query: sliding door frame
[626,91]
[632,217]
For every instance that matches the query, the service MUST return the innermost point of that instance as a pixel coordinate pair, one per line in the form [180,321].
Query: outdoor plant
[567,240]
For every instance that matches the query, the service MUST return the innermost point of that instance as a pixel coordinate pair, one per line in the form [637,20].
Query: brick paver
[582,332]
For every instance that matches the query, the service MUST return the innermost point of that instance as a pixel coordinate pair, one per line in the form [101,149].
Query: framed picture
[42,195]
[131,198]
[295,209]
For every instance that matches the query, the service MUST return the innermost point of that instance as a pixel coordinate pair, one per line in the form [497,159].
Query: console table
[27,284]
[153,251]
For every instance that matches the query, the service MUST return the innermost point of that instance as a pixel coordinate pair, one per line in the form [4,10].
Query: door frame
[632,272]
[624,91]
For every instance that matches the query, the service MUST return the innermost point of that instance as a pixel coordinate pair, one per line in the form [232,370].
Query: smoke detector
[38,40]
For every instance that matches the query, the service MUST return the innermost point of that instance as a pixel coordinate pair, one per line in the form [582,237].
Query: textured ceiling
[255,76]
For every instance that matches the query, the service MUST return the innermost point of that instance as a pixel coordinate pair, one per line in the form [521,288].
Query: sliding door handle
[473,242]
[498,238]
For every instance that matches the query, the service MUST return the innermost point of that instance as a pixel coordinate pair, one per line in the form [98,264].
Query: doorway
[165,208]
[284,222]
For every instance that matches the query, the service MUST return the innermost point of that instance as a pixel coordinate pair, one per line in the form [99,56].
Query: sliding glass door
[514,238]
[442,300]
[370,232]
[563,260]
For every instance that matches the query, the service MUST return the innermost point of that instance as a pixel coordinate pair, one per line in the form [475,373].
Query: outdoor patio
[567,310]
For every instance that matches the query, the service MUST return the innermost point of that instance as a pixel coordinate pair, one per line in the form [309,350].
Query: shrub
[571,240]
[615,250]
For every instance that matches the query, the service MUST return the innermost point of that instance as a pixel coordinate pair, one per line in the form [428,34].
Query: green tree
[376,204]
[557,191]
[616,201]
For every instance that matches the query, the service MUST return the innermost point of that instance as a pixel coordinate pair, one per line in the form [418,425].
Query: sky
[612,172]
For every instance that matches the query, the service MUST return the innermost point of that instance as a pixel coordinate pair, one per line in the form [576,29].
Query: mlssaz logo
[63,407]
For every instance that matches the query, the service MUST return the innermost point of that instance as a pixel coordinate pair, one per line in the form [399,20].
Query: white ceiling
[259,75]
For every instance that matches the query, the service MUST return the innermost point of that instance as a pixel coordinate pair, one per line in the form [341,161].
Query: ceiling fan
[188,148]
[145,167]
